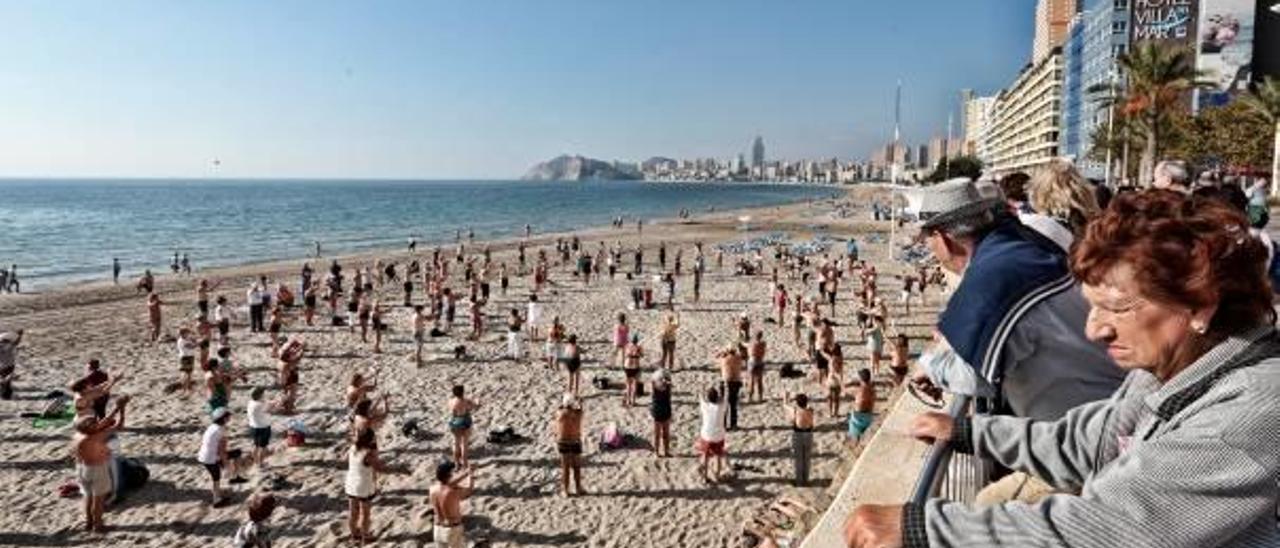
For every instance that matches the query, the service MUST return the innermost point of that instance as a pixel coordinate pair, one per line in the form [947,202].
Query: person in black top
[660,410]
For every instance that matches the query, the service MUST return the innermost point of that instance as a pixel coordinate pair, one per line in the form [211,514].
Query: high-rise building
[757,153]
[923,157]
[937,148]
[1070,137]
[1052,19]
[977,120]
[1024,130]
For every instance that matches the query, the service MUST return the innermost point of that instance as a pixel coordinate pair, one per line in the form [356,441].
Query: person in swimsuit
[93,461]
[835,379]
[621,334]
[755,383]
[568,427]
[364,309]
[360,485]
[731,362]
[780,298]
[309,295]
[187,347]
[379,327]
[273,329]
[744,328]
[217,386]
[863,408]
[460,422]
[660,411]
[288,369]
[899,355]
[801,418]
[153,314]
[571,357]
[797,320]
[875,342]
[446,498]
[477,318]
[633,353]
[668,341]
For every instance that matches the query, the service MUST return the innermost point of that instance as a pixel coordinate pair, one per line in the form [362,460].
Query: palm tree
[1265,100]
[1158,79]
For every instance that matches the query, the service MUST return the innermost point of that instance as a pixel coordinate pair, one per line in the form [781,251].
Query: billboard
[1170,21]
[1224,49]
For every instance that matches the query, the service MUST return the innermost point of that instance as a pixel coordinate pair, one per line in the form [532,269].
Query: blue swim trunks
[859,423]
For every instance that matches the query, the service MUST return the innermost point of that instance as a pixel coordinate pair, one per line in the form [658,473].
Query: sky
[479,89]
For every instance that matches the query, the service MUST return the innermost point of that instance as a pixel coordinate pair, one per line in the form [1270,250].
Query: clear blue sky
[478,88]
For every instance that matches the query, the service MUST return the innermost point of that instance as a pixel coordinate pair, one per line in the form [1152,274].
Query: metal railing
[947,474]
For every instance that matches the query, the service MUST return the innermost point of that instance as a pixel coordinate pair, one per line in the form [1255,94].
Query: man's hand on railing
[932,427]
[874,526]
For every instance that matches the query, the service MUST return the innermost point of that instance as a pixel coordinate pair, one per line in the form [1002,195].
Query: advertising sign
[1224,49]
[1172,21]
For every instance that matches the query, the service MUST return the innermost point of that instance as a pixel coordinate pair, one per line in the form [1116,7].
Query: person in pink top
[621,334]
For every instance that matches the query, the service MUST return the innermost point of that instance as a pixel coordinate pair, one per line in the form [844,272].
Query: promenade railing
[950,475]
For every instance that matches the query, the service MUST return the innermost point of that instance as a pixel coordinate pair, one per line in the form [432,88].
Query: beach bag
[601,383]
[133,475]
[611,437]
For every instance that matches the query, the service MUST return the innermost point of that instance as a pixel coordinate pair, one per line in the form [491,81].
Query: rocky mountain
[579,168]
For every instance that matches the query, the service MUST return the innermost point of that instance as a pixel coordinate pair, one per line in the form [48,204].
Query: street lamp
[1275,8]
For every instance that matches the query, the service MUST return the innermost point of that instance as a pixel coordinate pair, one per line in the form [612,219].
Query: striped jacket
[1189,464]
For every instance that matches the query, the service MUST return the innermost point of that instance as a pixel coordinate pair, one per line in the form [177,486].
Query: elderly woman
[1185,453]
[1062,203]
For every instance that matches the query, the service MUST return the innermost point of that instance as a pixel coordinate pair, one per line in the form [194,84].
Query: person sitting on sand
[259,425]
[254,533]
[446,498]
[360,484]
[571,357]
[633,353]
[93,460]
[460,422]
[187,347]
[568,428]
[711,435]
[801,418]
[755,382]
[863,407]
[215,456]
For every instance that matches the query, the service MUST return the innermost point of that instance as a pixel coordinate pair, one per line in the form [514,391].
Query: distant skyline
[442,90]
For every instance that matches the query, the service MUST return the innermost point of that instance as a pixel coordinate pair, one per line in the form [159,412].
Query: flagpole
[893,170]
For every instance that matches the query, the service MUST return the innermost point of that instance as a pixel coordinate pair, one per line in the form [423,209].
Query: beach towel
[57,420]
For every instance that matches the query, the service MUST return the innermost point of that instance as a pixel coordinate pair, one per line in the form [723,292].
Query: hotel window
[1121,5]
[1119,27]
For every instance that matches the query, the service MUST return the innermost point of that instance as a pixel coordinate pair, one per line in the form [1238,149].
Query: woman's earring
[1199,328]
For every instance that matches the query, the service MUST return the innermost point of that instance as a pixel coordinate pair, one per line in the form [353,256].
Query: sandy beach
[634,498]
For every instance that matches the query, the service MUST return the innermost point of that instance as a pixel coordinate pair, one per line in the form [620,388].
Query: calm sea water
[64,231]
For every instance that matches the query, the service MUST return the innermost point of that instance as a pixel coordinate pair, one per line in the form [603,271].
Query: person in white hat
[214,455]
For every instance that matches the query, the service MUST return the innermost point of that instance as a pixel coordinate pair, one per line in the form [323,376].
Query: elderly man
[1172,175]
[1013,332]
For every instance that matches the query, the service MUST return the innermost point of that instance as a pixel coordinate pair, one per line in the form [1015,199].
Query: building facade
[977,120]
[1073,91]
[1024,131]
[1052,20]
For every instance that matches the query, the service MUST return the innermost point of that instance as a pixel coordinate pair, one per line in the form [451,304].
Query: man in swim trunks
[568,425]
[93,461]
[755,386]
[446,498]
[731,377]
[460,422]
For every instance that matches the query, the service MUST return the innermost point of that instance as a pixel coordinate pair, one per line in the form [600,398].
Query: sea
[62,232]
